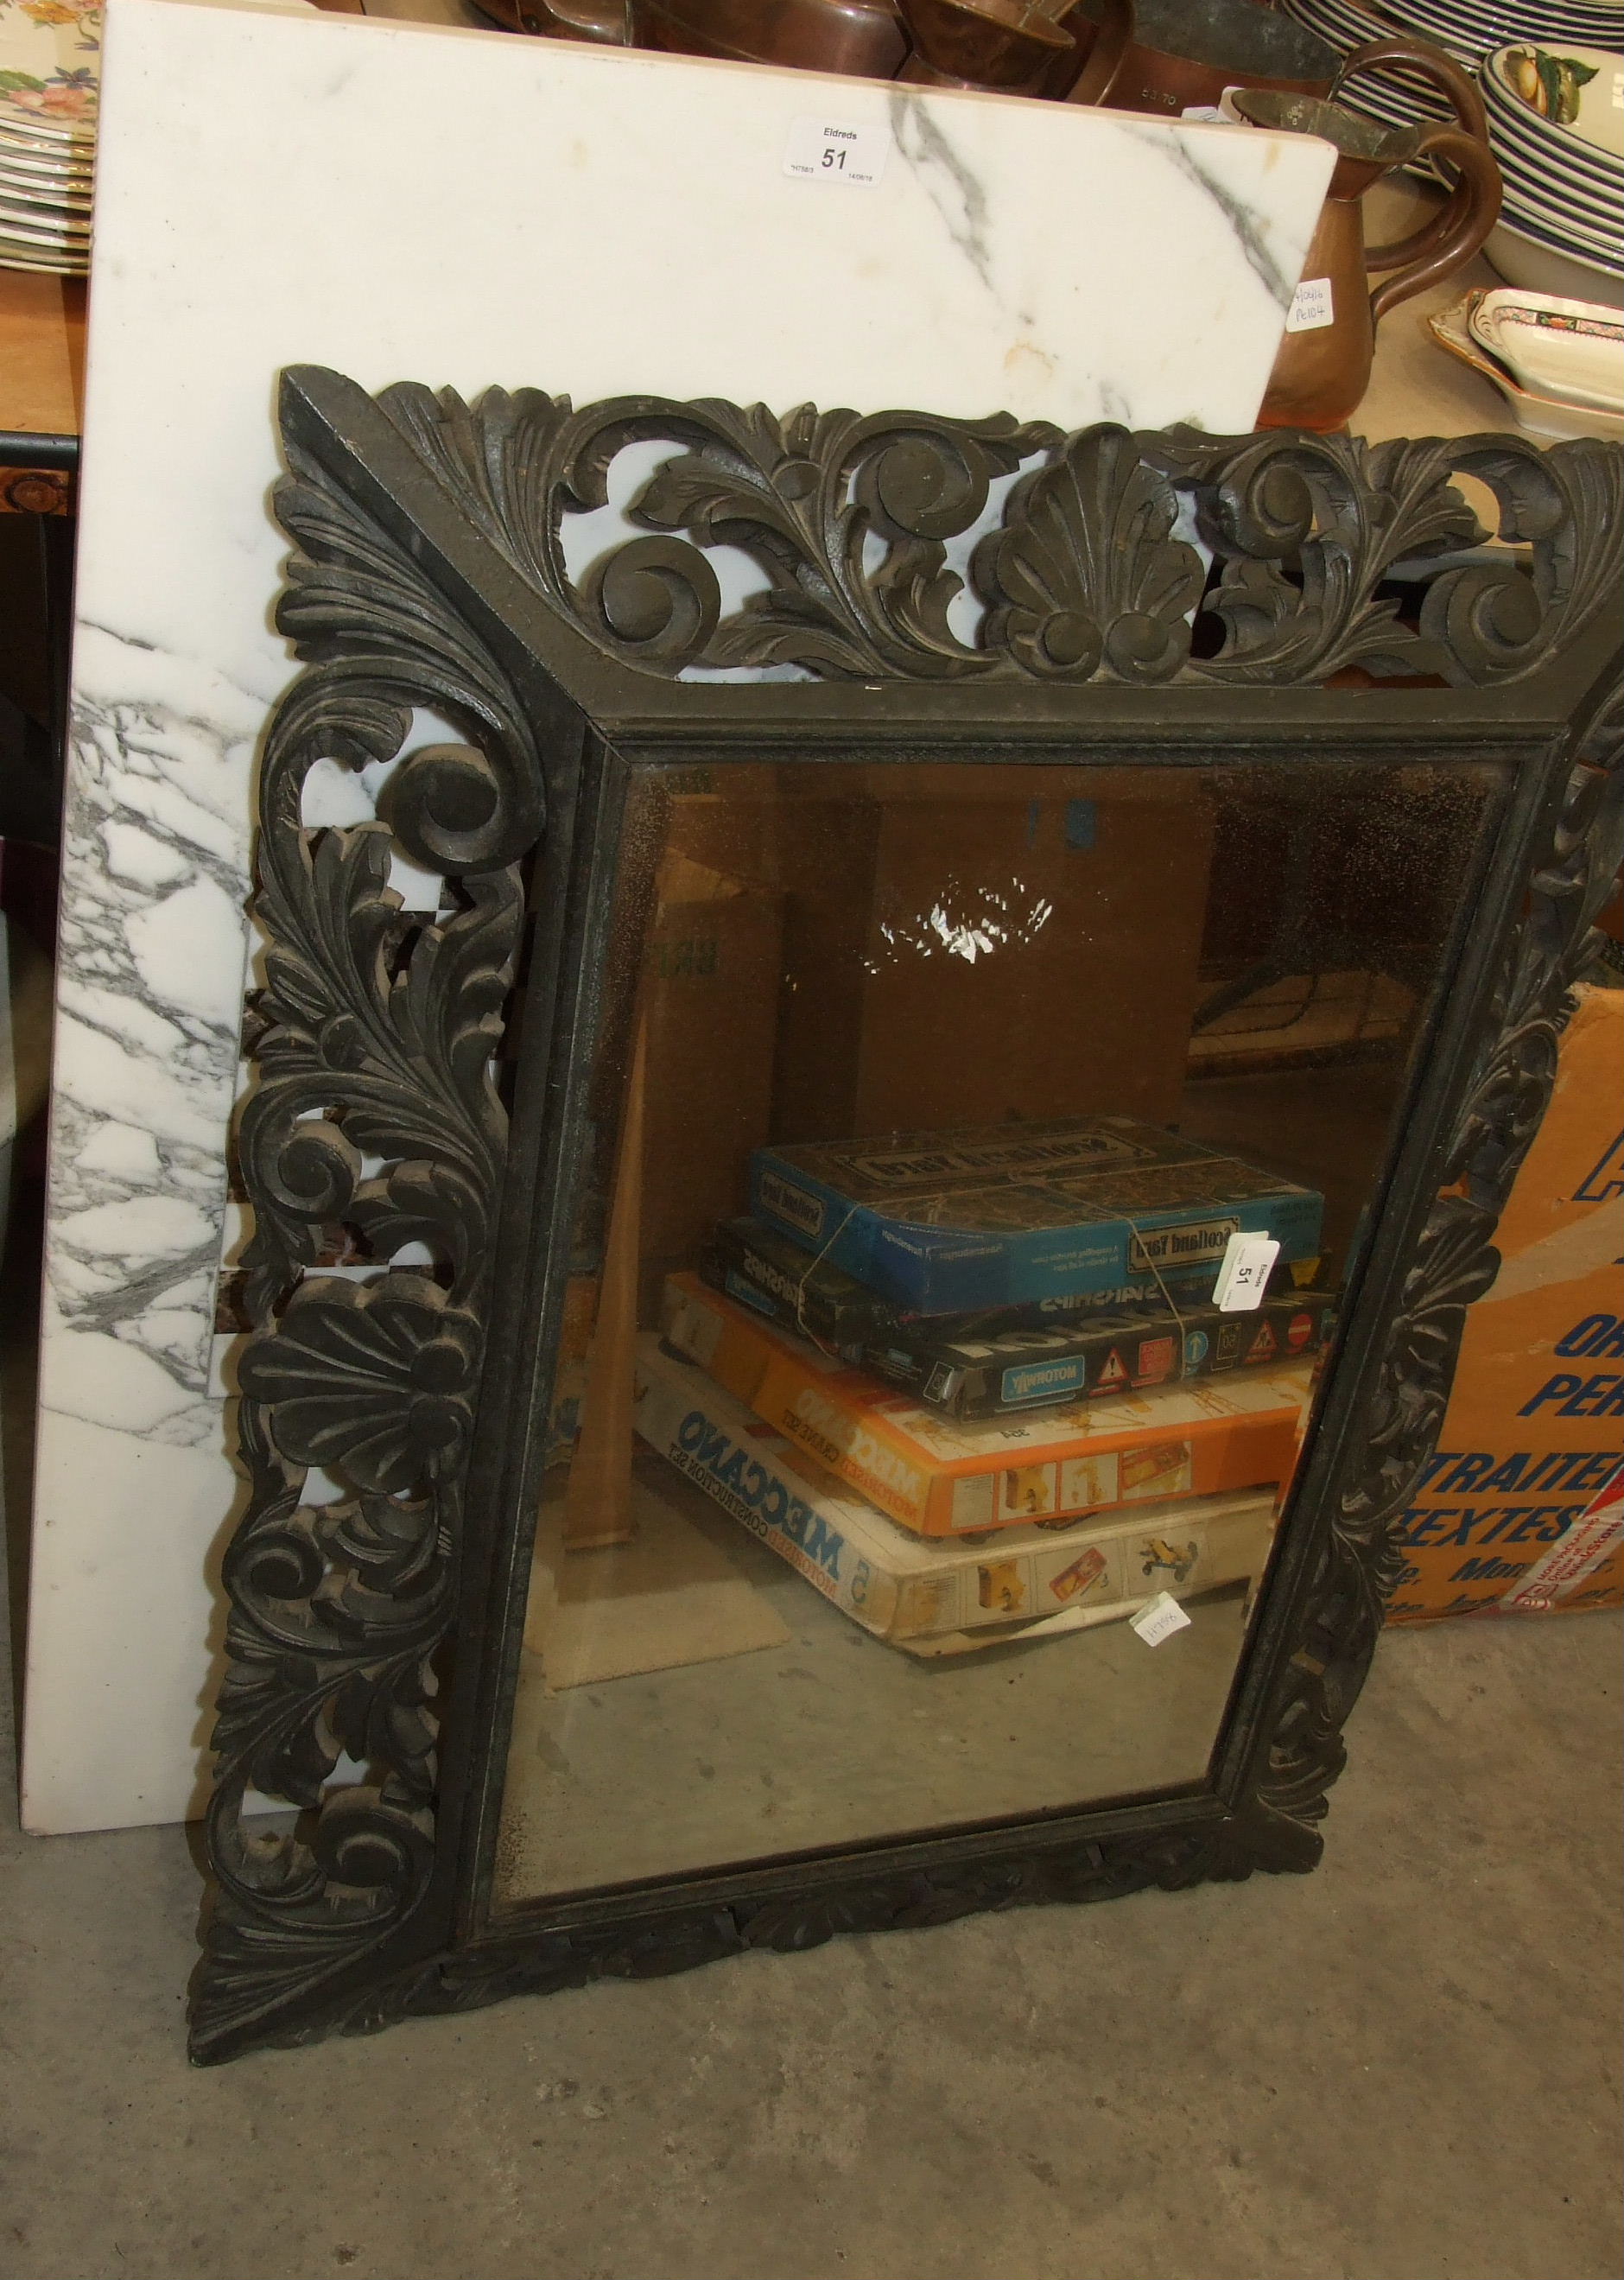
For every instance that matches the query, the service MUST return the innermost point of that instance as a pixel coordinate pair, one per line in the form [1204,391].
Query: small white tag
[1244,1273]
[1213,114]
[695,1331]
[1158,1619]
[838,150]
[1311,306]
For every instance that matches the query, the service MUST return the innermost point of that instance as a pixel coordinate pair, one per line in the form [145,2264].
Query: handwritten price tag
[838,150]
[1158,1619]
[1312,306]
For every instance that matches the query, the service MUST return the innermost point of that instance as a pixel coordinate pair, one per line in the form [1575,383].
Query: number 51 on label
[838,150]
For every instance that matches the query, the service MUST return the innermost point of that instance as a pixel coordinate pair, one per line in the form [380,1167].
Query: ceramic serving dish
[1537,415]
[1571,351]
[1524,254]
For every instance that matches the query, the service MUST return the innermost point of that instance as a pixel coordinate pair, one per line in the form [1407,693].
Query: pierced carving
[1504,1101]
[376,1133]
[1089,570]
[375,1113]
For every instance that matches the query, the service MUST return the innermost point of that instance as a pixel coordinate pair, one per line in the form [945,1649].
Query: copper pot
[1017,47]
[861,38]
[602,22]
[1168,57]
[1321,373]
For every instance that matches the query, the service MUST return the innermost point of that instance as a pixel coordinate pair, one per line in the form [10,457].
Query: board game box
[933,1597]
[944,1222]
[1002,1358]
[943,1476]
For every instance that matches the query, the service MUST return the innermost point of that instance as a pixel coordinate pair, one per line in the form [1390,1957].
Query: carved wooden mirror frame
[1341,609]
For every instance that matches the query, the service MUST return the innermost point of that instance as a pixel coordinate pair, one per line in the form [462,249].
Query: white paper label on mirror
[1244,1273]
[838,150]
[1312,306]
[1158,1619]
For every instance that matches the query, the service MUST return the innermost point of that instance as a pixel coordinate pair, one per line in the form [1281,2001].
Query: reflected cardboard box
[1520,1509]
[941,1478]
[1027,939]
[932,1597]
[710,1007]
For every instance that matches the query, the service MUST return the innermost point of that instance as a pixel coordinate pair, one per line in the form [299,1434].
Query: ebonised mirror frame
[1349,615]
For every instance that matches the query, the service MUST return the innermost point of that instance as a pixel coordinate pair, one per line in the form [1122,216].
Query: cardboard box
[1010,1359]
[940,1477]
[926,1597]
[1521,1508]
[711,969]
[943,1222]
[977,942]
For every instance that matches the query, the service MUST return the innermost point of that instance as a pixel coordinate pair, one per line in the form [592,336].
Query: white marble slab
[407,203]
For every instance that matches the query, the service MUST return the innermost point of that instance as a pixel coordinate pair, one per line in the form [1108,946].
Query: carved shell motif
[889,547]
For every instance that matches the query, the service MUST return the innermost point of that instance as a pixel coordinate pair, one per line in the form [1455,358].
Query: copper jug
[1323,366]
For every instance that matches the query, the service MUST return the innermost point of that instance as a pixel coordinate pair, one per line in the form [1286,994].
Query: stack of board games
[996,1359]
[941,1476]
[932,1597]
[992,1359]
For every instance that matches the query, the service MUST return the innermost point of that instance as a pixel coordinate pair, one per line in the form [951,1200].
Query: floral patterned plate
[50,60]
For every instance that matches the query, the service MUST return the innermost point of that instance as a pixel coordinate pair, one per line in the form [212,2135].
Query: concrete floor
[1404,2068]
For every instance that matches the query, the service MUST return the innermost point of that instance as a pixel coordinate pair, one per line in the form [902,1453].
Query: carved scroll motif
[376,1125]
[1136,558]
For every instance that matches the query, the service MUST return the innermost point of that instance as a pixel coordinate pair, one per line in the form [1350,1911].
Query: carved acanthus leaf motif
[1087,570]
[376,1109]
[377,1116]
[1455,1262]
[805,497]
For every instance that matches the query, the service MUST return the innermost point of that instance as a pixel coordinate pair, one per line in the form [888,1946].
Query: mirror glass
[975,1155]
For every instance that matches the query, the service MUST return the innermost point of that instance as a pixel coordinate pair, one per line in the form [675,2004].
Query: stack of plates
[1466,30]
[1393,95]
[49,63]
[1562,157]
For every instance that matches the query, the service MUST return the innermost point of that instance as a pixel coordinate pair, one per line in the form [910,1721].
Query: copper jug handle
[1451,80]
[1098,75]
[1459,230]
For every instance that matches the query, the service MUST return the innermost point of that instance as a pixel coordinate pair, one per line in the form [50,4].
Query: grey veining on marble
[1055,264]
[149,991]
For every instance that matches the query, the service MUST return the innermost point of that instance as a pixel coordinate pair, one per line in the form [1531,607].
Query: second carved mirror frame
[1161,596]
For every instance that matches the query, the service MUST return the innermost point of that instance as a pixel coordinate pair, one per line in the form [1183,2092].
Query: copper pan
[603,22]
[861,38]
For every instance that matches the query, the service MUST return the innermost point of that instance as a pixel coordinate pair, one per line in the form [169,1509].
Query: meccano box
[1006,1359]
[934,1597]
[1520,1510]
[943,1222]
[941,1477]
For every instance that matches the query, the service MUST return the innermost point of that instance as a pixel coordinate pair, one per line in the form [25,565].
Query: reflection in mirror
[977,1154]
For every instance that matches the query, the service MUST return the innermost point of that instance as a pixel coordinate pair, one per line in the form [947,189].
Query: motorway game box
[1006,1359]
[943,1476]
[943,1222]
